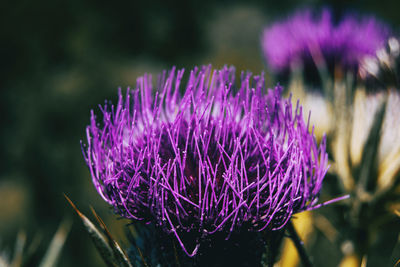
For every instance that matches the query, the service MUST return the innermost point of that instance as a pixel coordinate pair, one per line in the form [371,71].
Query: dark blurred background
[59,59]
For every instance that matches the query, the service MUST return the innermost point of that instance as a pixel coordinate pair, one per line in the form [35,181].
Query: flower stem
[299,245]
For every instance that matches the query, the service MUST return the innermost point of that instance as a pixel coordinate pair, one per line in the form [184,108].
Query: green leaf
[119,254]
[19,249]
[109,249]
[98,239]
[54,250]
[368,169]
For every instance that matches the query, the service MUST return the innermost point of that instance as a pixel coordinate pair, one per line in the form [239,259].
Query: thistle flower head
[306,37]
[221,158]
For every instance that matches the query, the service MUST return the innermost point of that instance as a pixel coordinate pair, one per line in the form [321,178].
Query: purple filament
[219,158]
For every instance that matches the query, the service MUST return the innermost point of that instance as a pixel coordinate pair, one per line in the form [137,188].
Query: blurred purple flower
[219,158]
[306,37]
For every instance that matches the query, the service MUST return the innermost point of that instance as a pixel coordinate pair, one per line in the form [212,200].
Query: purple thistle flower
[219,158]
[305,37]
